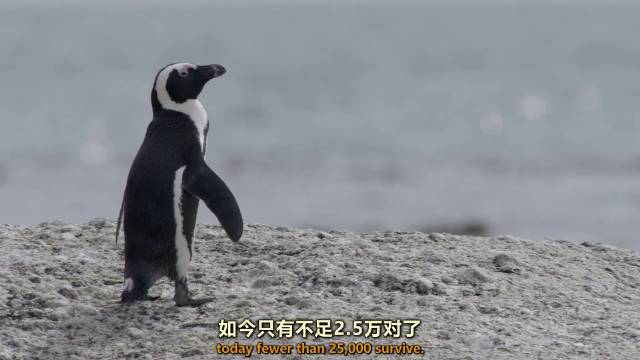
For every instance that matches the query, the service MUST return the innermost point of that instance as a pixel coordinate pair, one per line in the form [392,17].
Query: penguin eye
[183,72]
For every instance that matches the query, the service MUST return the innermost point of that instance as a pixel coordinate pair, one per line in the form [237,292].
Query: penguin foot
[193,302]
[131,298]
[183,298]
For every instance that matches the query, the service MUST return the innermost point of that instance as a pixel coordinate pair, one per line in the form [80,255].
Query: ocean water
[520,117]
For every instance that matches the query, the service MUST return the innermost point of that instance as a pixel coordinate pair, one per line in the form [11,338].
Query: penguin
[167,179]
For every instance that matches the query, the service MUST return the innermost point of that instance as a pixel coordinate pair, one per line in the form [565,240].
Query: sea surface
[512,117]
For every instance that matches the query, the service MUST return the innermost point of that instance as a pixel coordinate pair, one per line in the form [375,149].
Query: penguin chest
[198,116]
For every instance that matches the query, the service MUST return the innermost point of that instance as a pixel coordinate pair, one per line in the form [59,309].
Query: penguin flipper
[199,180]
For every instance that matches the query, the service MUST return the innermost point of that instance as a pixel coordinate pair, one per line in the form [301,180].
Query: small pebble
[68,293]
[424,286]
[473,277]
[135,332]
[506,264]
[98,222]
[68,236]
[261,283]
[291,300]
[70,228]
[304,304]
[448,280]
[361,243]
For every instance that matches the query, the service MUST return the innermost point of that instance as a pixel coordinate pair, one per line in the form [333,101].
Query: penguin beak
[208,72]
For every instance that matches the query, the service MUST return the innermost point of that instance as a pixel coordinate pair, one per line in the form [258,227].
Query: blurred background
[484,117]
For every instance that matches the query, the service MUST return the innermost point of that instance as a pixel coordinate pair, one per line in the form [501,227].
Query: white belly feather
[183,254]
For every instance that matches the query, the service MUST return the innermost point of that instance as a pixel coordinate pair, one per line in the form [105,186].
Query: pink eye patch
[184,69]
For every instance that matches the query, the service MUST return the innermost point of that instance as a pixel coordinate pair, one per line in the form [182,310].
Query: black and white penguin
[167,178]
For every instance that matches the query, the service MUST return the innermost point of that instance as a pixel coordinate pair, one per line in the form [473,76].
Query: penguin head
[181,82]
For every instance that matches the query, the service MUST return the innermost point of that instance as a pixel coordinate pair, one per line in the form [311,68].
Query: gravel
[477,297]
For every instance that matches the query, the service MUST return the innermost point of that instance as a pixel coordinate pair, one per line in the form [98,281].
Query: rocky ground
[477,298]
